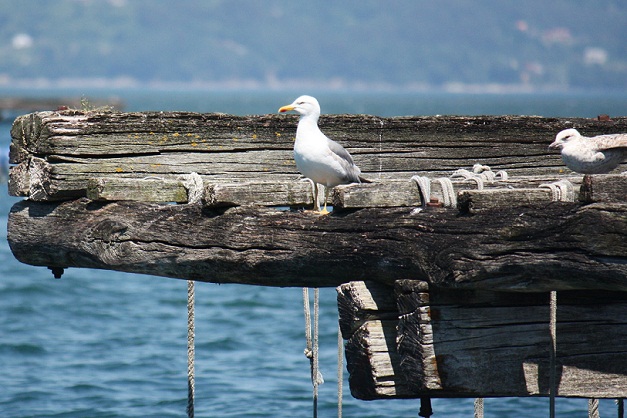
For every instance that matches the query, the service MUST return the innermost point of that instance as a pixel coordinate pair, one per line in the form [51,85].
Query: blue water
[107,344]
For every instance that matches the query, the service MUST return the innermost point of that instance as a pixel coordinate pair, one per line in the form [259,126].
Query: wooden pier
[434,301]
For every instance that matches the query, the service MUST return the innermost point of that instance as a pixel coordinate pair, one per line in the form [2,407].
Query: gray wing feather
[603,142]
[346,161]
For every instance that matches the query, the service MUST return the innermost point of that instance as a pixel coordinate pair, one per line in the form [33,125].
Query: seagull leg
[316,203]
[326,197]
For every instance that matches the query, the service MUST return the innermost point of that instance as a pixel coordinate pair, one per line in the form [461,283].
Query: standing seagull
[317,157]
[591,155]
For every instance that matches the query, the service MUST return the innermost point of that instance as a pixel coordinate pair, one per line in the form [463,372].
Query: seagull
[591,155]
[317,157]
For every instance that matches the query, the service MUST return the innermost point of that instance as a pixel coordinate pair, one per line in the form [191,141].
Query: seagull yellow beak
[286,108]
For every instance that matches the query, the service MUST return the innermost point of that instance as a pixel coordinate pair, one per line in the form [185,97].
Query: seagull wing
[345,160]
[603,142]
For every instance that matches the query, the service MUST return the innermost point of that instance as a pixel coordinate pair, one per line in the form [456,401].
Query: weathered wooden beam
[546,246]
[64,150]
[151,189]
[269,193]
[414,340]
[368,319]
[475,201]
[604,188]
[484,343]
[213,193]
[405,193]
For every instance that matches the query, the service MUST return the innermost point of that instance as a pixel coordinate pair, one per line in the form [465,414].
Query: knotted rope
[311,350]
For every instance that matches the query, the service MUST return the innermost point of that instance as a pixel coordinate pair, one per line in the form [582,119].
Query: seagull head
[563,137]
[305,105]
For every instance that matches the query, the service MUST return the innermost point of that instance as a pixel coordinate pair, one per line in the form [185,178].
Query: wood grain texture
[528,248]
[76,146]
[466,343]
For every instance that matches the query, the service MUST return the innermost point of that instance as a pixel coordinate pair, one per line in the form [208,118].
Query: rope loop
[424,188]
[561,191]
[448,192]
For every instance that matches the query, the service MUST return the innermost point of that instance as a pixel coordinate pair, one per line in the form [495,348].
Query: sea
[107,344]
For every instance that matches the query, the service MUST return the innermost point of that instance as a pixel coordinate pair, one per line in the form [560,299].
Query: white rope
[567,190]
[555,191]
[478,407]
[479,174]
[553,352]
[483,171]
[316,365]
[424,188]
[468,175]
[194,185]
[190,349]
[561,191]
[340,370]
[311,350]
[593,408]
[448,192]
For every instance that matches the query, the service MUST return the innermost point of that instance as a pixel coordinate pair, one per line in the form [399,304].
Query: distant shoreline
[277,85]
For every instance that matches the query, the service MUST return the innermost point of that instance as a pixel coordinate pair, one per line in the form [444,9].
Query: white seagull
[318,158]
[591,155]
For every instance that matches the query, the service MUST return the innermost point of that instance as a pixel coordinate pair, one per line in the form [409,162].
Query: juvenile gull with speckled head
[591,155]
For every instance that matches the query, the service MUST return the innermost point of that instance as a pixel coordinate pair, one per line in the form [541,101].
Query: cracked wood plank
[531,248]
[415,340]
[72,147]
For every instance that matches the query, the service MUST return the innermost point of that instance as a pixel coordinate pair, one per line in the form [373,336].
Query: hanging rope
[621,407]
[478,407]
[593,408]
[340,370]
[311,351]
[190,349]
[553,352]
